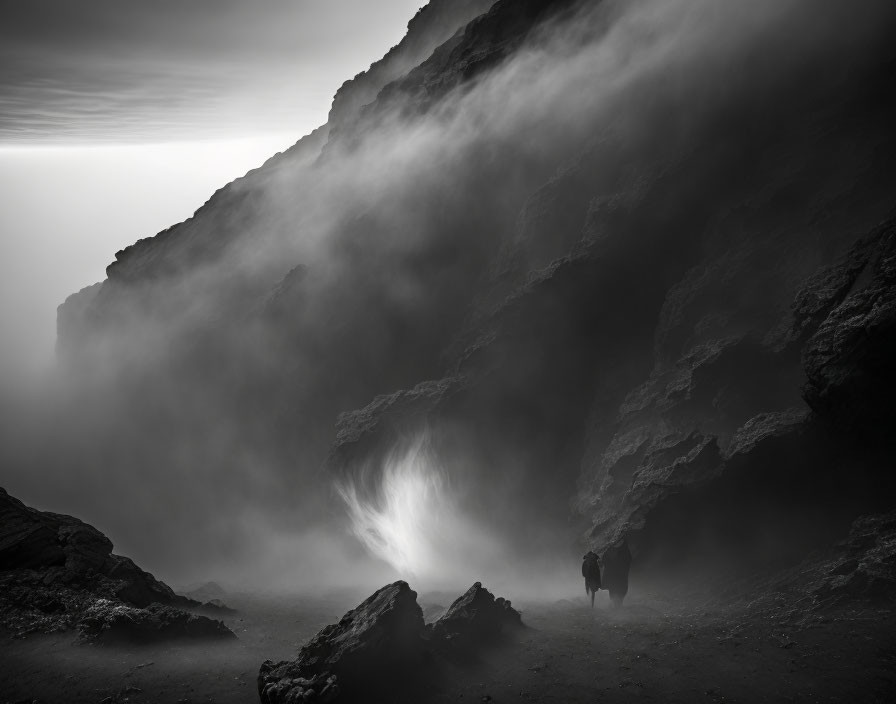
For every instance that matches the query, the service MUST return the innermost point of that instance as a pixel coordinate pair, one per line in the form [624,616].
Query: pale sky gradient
[119,118]
[130,70]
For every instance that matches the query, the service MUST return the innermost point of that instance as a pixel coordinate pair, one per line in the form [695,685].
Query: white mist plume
[413,518]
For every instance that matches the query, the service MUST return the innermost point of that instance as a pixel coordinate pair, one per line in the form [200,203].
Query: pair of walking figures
[610,573]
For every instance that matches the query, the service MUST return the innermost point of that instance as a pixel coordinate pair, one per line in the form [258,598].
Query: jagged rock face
[57,573]
[382,630]
[848,359]
[662,446]
[380,636]
[473,617]
[113,622]
[615,303]
[65,548]
[703,373]
[281,685]
[431,27]
[380,645]
[485,42]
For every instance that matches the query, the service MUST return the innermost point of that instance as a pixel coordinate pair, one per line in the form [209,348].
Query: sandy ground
[656,649]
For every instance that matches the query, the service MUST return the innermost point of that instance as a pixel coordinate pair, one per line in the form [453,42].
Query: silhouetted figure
[591,573]
[617,561]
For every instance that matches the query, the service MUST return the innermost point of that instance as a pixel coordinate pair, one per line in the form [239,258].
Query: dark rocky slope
[57,572]
[663,300]
[381,648]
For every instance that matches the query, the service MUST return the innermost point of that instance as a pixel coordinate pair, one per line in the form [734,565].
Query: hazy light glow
[411,515]
[67,210]
[120,118]
[402,523]
[413,518]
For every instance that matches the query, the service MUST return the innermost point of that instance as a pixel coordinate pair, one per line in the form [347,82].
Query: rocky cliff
[624,264]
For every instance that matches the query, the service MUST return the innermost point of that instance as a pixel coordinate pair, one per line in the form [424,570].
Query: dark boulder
[381,634]
[382,631]
[57,573]
[107,621]
[35,539]
[44,541]
[139,587]
[380,646]
[284,683]
[474,617]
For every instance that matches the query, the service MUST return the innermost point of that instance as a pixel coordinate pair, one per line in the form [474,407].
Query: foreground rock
[474,617]
[382,633]
[377,644]
[58,573]
[66,549]
[107,621]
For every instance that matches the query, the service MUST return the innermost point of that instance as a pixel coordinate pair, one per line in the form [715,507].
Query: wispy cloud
[127,71]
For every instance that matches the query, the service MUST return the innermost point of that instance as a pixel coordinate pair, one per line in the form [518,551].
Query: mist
[103,199]
[198,396]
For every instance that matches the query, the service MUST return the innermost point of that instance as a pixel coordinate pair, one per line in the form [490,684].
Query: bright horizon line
[203,141]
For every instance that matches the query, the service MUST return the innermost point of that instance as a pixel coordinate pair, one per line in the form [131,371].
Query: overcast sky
[131,70]
[119,118]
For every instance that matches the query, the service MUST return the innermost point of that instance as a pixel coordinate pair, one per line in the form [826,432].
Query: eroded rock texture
[57,572]
[106,621]
[474,617]
[864,565]
[382,632]
[67,550]
[848,359]
[382,645]
[375,640]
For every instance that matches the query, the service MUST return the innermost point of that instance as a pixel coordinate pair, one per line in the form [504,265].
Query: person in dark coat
[591,573]
[617,562]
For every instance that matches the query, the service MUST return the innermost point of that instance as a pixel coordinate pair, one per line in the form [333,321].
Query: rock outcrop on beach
[382,645]
[379,639]
[474,618]
[108,622]
[58,573]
